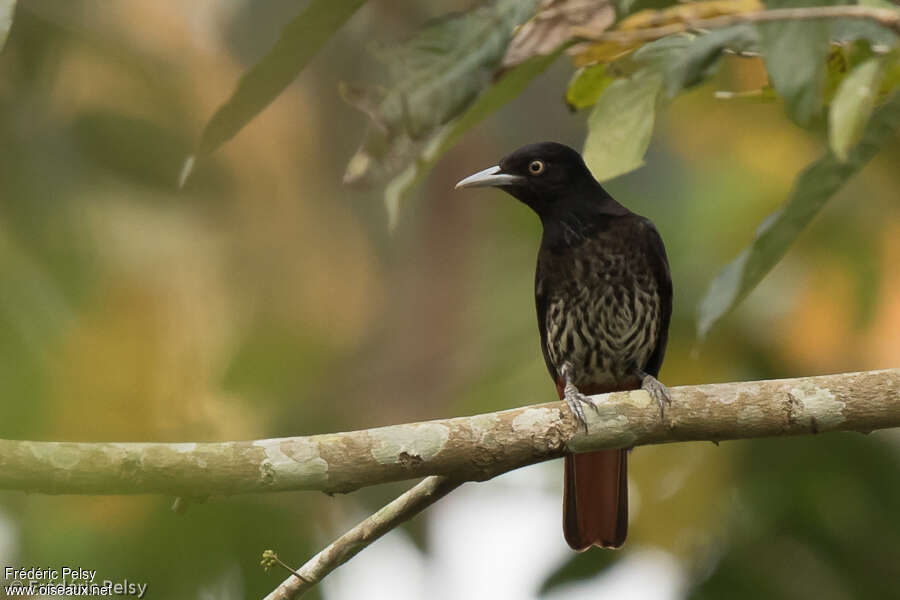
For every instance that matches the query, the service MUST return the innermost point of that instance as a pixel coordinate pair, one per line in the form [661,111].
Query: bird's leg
[657,391]
[574,399]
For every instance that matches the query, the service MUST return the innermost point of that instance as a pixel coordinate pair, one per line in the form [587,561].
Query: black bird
[604,298]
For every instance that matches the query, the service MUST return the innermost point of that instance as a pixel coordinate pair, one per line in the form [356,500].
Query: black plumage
[604,300]
[603,295]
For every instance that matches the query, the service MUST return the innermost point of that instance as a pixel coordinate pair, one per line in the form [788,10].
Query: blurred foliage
[299,41]
[795,53]
[802,533]
[438,74]
[702,56]
[434,76]
[587,85]
[266,299]
[7,8]
[510,85]
[853,105]
[607,51]
[551,27]
[631,103]
[582,566]
[813,188]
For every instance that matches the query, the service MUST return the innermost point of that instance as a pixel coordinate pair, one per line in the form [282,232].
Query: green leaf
[508,87]
[842,59]
[435,76]
[794,53]
[586,86]
[621,124]
[852,106]
[299,42]
[891,71]
[7,9]
[663,51]
[700,56]
[579,567]
[812,189]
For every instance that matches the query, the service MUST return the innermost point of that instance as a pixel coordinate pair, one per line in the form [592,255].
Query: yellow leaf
[603,52]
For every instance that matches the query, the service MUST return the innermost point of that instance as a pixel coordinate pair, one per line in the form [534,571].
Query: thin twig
[882,16]
[406,506]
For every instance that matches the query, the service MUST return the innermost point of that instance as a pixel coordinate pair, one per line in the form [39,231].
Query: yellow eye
[536,167]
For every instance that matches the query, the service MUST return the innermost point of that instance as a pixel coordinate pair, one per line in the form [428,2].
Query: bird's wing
[656,254]
[541,301]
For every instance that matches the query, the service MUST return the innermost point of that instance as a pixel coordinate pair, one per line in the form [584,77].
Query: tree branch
[464,448]
[406,506]
[882,16]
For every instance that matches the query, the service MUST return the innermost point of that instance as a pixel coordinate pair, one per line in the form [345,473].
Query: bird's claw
[575,400]
[658,392]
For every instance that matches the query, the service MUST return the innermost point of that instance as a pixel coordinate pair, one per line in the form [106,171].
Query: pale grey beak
[489,177]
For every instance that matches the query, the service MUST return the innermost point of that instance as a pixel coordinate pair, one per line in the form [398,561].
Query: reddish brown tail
[595,497]
[595,500]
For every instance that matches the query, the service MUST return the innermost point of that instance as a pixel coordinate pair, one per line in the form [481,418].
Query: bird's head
[545,176]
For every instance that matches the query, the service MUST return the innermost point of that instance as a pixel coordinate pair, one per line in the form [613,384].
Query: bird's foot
[657,391]
[576,401]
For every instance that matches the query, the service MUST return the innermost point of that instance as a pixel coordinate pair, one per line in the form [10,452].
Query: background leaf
[812,189]
[435,76]
[299,42]
[586,86]
[842,59]
[794,53]
[508,87]
[580,566]
[7,8]
[891,77]
[697,60]
[852,106]
[621,124]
